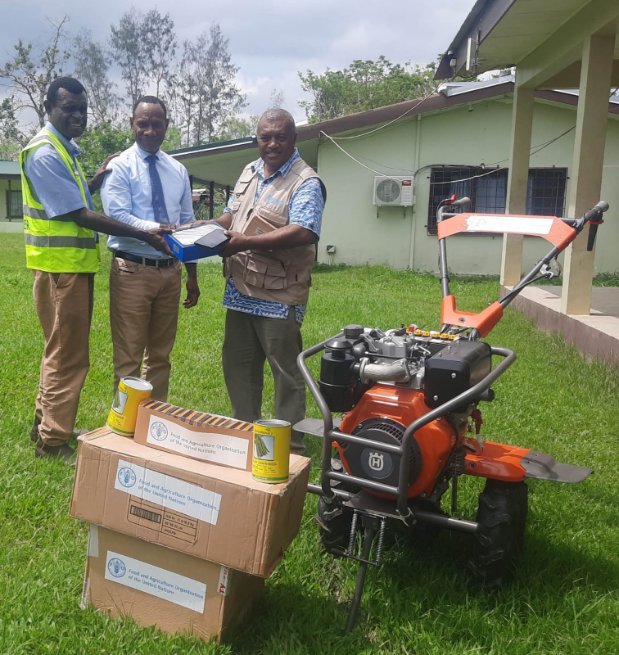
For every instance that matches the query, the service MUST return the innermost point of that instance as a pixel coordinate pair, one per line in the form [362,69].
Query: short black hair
[69,83]
[151,100]
[279,113]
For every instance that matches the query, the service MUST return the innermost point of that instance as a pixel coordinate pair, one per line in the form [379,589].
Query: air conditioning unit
[396,191]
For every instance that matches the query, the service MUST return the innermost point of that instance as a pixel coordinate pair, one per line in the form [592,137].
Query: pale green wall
[466,135]
[4,185]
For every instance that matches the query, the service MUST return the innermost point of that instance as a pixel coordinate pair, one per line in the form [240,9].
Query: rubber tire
[334,531]
[499,541]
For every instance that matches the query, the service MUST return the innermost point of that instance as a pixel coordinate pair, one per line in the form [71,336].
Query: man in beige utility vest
[273,222]
[62,249]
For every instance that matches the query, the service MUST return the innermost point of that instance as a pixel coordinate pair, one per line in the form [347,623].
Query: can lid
[272,423]
[137,383]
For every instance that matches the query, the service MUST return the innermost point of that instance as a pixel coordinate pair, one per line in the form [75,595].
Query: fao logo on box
[126,476]
[158,431]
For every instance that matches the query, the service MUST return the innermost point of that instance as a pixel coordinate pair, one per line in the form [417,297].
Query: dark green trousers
[248,342]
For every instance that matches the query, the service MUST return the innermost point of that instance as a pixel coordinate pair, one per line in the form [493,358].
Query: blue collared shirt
[305,209]
[51,181]
[127,197]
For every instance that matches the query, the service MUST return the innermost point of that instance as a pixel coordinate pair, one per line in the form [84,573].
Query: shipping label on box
[171,590]
[212,512]
[169,493]
[201,435]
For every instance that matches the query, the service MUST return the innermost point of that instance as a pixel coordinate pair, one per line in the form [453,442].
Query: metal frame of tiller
[372,510]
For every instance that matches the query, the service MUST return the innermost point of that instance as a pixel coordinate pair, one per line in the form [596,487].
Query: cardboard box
[207,437]
[184,242]
[158,587]
[213,512]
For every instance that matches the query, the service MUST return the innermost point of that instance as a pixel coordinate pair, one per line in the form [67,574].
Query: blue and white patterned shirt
[305,209]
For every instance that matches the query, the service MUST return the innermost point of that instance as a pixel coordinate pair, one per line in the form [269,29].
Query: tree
[144,46]
[30,74]
[205,94]
[159,45]
[96,143]
[128,46]
[91,68]
[12,139]
[365,84]
[276,99]
[237,128]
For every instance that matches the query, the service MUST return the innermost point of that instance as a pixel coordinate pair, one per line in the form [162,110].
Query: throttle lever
[594,218]
[593,228]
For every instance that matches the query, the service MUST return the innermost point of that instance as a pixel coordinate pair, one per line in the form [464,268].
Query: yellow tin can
[271,450]
[124,412]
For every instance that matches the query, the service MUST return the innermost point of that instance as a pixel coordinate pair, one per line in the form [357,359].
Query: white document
[210,235]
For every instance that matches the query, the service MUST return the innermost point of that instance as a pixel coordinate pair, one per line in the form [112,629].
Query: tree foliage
[128,46]
[199,88]
[144,45]
[92,64]
[160,45]
[365,84]
[11,137]
[204,94]
[31,71]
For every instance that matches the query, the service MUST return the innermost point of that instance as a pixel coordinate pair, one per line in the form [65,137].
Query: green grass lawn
[563,601]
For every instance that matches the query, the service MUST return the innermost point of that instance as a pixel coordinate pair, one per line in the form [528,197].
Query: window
[13,204]
[546,191]
[487,190]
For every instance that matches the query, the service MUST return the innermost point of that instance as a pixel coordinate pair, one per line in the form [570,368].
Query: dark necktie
[159,208]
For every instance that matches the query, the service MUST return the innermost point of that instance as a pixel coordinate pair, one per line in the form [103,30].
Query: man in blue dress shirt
[147,187]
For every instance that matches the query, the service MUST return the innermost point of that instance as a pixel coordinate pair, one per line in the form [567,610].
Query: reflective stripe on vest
[58,244]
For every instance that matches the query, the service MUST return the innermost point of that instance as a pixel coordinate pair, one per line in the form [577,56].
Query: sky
[270,41]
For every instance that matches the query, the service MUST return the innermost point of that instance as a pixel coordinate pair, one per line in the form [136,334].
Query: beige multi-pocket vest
[283,275]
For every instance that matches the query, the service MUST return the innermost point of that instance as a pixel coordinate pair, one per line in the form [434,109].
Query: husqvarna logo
[376,464]
[376,461]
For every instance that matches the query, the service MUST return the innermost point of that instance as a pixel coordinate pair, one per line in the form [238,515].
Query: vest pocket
[265,273]
[277,220]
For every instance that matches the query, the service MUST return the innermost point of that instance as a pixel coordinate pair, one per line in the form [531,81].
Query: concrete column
[587,166]
[522,120]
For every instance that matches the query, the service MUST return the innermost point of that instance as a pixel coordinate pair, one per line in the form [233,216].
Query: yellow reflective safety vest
[56,245]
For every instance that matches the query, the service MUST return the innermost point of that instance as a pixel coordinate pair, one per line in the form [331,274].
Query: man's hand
[97,179]
[157,241]
[289,236]
[193,290]
[193,293]
[163,228]
[237,242]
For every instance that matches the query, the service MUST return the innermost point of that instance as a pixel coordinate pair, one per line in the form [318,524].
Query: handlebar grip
[461,202]
[596,211]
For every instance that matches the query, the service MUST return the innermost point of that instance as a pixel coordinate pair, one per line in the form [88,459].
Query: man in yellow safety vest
[62,249]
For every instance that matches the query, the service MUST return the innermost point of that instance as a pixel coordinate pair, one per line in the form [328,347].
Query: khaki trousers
[64,303]
[143,317]
[248,341]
